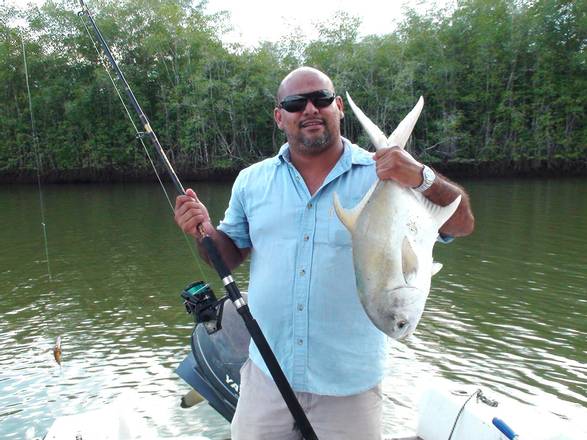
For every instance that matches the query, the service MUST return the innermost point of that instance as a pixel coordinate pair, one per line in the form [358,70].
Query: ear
[277,117]
[340,106]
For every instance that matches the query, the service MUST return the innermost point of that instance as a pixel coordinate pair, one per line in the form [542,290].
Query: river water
[507,312]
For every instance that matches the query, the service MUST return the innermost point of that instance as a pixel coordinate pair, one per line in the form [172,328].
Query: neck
[315,167]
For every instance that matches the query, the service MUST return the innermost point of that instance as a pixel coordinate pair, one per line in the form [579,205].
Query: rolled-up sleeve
[235,223]
[444,238]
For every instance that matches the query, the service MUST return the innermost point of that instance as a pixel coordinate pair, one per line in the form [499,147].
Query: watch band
[428,178]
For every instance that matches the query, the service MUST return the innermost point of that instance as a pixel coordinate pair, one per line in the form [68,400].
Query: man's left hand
[399,165]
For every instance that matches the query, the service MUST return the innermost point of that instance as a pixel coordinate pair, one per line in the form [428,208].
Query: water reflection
[507,311]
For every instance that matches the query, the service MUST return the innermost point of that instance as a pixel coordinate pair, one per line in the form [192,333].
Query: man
[302,286]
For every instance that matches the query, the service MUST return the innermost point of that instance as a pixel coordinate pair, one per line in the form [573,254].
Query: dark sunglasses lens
[322,101]
[294,105]
[297,103]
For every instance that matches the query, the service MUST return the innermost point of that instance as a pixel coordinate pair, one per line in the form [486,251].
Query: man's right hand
[190,212]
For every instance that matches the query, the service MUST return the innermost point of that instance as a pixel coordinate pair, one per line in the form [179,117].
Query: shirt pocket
[338,234]
[329,229]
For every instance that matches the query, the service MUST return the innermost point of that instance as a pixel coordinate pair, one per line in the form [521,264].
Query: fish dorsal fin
[348,217]
[436,266]
[409,261]
[403,131]
[439,213]
[375,134]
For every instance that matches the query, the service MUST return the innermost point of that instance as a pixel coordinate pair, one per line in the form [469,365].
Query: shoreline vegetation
[504,83]
[558,168]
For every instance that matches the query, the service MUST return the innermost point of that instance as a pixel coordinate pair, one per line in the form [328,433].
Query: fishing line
[139,136]
[38,160]
[232,290]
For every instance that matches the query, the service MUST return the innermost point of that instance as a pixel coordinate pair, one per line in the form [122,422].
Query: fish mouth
[402,328]
[405,314]
[403,335]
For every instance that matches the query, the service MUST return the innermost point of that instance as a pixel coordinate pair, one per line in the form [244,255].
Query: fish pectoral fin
[375,134]
[409,261]
[348,217]
[436,266]
[403,131]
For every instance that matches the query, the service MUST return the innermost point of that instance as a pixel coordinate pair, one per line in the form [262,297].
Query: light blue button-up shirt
[302,282]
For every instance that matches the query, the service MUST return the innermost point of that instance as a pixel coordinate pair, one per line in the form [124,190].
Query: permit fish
[393,230]
[57,350]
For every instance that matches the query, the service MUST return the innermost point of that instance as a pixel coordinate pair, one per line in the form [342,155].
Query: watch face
[428,175]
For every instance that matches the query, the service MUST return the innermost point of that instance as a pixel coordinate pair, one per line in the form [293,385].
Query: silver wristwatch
[428,177]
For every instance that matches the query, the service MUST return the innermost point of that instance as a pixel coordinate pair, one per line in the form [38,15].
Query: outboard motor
[220,346]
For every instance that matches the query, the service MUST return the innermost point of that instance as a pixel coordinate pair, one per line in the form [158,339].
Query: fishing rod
[38,159]
[218,263]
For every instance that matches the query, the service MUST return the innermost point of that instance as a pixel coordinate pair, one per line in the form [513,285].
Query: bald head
[312,130]
[298,80]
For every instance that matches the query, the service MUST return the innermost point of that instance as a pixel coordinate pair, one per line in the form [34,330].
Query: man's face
[312,129]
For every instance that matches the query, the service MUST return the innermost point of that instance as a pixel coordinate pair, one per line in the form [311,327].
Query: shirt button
[300,307]
[309,205]
[302,272]
[306,237]
[300,342]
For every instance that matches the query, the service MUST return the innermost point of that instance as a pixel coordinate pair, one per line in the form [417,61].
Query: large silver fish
[393,231]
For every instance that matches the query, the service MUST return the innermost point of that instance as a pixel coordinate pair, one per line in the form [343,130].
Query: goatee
[315,144]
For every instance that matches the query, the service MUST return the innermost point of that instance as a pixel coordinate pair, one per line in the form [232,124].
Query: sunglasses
[297,103]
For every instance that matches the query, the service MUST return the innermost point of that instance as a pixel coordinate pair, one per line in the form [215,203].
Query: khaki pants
[261,413]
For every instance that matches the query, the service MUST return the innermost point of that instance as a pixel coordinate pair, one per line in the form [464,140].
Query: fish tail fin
[375,134]
[404,130]
[399,136]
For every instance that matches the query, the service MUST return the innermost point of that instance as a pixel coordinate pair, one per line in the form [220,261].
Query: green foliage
[501,80]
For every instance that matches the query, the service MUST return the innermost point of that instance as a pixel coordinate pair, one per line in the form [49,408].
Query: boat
[114,421]
[446,409]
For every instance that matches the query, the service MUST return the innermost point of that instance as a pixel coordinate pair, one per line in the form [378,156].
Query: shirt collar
[352,155]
